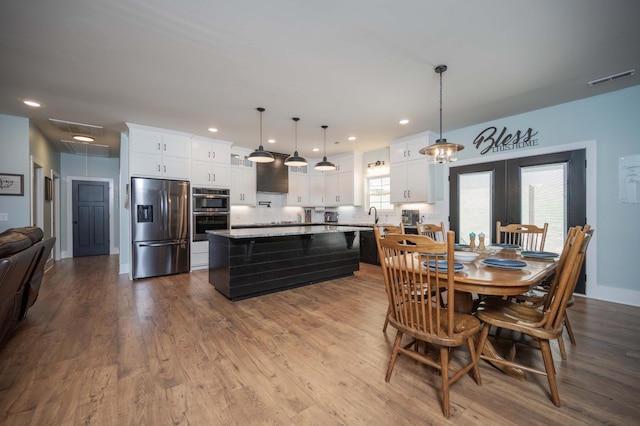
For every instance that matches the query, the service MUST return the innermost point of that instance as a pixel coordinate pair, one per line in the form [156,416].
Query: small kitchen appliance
[331,217]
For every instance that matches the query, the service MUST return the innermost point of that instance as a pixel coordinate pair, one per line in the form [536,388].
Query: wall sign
[489,140]
[11,184]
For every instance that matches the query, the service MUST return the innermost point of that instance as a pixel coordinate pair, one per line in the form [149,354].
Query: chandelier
[442,151]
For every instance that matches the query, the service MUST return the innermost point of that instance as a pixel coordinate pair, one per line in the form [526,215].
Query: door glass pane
[475,206]
[544,199]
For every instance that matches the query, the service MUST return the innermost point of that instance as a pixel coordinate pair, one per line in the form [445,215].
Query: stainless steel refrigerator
[159,227]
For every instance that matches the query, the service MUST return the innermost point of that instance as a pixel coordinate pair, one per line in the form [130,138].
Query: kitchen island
[250,262]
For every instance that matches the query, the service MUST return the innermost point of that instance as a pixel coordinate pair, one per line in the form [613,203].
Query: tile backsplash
[273,208]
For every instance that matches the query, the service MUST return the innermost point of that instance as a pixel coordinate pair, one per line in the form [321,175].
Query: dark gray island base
[249,262]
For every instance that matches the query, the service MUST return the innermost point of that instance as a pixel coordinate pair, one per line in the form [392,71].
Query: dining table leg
[463,302]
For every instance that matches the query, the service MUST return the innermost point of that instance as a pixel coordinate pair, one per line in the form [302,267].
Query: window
[380,192]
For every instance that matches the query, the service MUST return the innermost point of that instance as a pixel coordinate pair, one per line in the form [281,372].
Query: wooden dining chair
[435,232]
[416,313]
[541,296]
[541,325]
[380,232]
[528,237]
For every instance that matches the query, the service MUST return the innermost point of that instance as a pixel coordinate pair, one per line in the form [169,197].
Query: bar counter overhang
[250,262]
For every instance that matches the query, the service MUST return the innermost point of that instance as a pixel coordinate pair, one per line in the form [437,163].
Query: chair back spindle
[414,290]
[432,230]
[528,237]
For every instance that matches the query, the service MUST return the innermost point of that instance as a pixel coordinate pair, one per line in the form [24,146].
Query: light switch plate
[4,217]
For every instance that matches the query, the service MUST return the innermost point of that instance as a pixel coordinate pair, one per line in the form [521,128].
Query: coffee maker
[410,217]
[331,217]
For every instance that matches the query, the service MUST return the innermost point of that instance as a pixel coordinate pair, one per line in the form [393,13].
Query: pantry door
[548,188]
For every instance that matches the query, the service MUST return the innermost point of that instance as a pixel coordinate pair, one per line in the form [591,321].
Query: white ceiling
[358,66]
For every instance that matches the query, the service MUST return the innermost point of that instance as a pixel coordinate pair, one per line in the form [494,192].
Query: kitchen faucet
[375,210]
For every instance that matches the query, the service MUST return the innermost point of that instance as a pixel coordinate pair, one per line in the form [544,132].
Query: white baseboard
[616,295]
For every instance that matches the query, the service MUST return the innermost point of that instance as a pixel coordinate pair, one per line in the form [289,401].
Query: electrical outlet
[4,217]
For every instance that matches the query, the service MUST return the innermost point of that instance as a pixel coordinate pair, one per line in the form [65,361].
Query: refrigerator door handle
[170,243]
[165,213]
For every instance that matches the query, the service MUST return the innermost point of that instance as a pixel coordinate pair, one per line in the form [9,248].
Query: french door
[548,188]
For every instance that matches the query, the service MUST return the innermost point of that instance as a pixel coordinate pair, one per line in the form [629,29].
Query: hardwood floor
[100,349]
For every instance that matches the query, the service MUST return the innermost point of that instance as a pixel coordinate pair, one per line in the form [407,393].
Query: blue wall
[613,122]
[14,159]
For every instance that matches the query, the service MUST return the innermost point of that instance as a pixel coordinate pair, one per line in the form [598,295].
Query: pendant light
[260,155]
[442,151]
[295,160]
[324,164]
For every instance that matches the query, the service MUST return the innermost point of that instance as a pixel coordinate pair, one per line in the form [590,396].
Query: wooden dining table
[477,279]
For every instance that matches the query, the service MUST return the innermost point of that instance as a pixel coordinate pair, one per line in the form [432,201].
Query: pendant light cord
[325,140]
[261,121]
[441,105]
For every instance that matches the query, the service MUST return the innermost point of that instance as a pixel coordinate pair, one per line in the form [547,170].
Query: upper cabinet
[316,184]
[214,150]
[411,180]
[210,164]
[243,178]
[159,153]
[298,194]
[343,186]
[407,149]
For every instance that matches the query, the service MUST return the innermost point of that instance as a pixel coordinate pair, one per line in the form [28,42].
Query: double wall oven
[210,208]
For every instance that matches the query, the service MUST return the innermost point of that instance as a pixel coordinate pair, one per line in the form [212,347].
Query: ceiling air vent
[611,77]
[77,128]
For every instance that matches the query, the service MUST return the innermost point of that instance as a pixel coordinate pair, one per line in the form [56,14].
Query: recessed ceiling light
[271,140]
[404,121]
[213,129]
[352,138]
[316,149]
[84,138]
[32,103]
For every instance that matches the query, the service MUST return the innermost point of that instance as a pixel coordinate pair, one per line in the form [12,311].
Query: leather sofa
[23,254]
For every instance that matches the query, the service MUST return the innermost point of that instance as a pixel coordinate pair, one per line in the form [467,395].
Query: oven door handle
[211,213]
[213,197]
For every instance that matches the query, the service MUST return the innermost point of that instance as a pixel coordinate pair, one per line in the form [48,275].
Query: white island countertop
[282,231]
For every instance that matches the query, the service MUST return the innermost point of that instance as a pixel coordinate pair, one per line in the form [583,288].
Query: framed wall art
[11,184]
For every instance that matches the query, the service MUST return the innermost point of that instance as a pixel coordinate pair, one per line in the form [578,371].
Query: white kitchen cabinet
[316,186]
[407,149]
[210,163]
[159,142]
[410,174]
[343,186]
[214,150]
[243,178]
[345,163]
[298,191]
[340,190]
[159,153]
[157,165]
[298,194]
[411,182]
[207,173]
